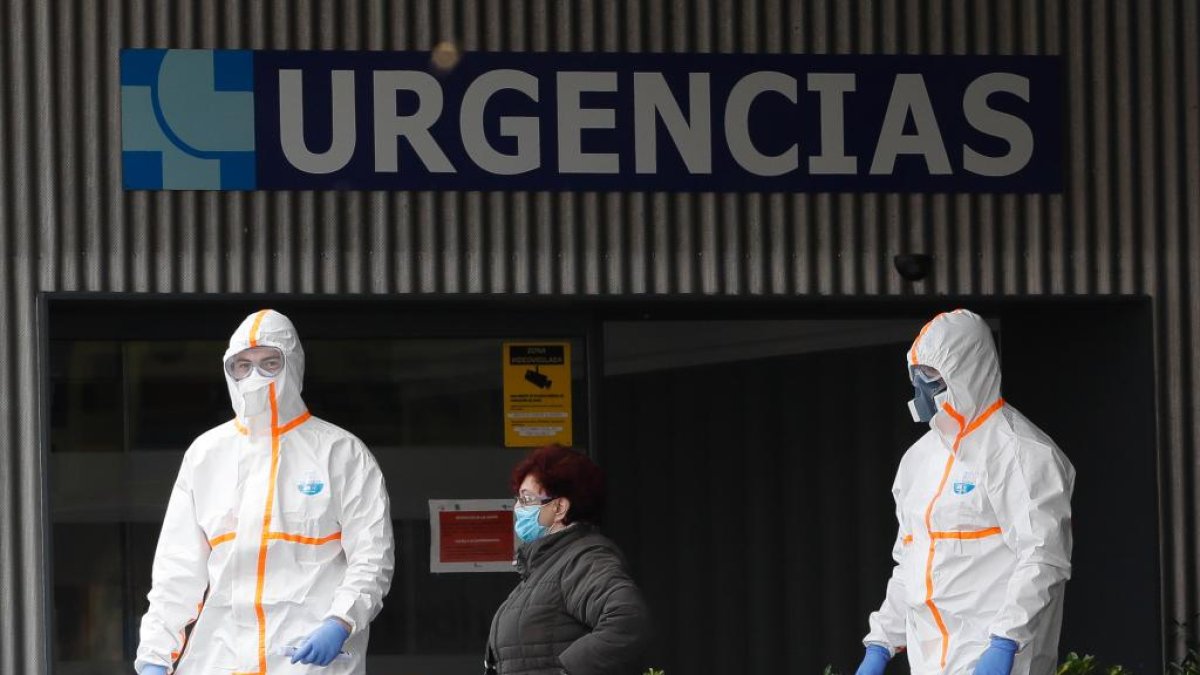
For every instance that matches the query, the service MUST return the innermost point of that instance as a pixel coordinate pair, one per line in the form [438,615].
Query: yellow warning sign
[537,394]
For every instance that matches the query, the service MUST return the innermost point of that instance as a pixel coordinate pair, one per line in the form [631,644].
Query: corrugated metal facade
[1128,222]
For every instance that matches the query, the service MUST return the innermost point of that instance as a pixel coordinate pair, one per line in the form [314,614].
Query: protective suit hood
[268,328]
[959,345]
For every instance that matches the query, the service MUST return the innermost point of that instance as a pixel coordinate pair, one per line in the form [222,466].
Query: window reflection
[86,398]
[176,392]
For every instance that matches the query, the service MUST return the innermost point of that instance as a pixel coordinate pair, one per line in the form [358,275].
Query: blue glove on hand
[997,659]
[154,670]
[874,661]
[322,647]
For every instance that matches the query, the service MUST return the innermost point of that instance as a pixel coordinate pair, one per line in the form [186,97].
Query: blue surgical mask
[924,404]
[526,523]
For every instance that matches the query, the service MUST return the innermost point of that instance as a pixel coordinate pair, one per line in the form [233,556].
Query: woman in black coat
[576,610]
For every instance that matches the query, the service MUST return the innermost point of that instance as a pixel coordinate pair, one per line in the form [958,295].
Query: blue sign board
[342,120]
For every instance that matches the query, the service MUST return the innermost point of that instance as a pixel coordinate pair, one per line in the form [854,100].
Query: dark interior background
[754,501]
[1084,374]
[751,497]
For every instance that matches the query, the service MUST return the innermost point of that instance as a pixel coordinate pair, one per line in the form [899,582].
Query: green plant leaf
[1077,665]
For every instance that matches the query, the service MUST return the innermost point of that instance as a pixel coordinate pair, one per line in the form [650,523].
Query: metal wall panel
[1128,222]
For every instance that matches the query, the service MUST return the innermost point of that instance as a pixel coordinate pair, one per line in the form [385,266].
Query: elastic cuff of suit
[341,608]
[344,619]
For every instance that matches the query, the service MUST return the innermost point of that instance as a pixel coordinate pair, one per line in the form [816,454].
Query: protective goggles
[268,361]
[926,374]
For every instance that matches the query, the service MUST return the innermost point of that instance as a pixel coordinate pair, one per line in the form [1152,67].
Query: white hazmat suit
[278,520]
[984,505]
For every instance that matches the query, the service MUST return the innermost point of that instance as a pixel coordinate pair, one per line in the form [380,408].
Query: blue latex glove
[322,647]
[997,659]
[154,670]
[874,661]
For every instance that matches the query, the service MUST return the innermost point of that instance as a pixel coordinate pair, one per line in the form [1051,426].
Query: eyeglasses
[530,499]
[268,361]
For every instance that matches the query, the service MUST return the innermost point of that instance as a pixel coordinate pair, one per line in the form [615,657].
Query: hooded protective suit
[277,521]
[984,504]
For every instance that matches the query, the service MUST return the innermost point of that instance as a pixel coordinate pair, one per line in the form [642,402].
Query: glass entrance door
[430,408]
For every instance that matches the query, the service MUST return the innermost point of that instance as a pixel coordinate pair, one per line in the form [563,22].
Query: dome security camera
[913,266]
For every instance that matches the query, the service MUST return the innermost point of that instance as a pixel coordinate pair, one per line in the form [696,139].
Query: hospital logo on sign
[187,119]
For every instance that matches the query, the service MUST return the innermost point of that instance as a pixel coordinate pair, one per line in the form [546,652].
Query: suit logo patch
[310,485]
[965,484]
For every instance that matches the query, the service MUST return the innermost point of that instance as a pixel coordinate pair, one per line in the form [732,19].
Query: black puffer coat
[575,609]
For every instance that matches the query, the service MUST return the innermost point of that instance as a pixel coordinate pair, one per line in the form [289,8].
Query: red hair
[565,473]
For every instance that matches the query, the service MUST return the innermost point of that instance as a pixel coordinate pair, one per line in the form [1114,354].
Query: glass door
[430,407]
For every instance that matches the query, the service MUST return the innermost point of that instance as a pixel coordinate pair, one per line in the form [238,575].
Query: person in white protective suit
[276,548]
[983,552]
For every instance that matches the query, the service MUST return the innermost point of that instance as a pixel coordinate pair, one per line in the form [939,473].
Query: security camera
[913,266]
[537,379]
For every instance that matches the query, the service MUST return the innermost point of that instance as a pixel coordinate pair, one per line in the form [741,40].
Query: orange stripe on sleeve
[184,636]
[221,539]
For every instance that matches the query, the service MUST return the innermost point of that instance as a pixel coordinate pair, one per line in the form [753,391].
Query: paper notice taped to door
[471,535]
